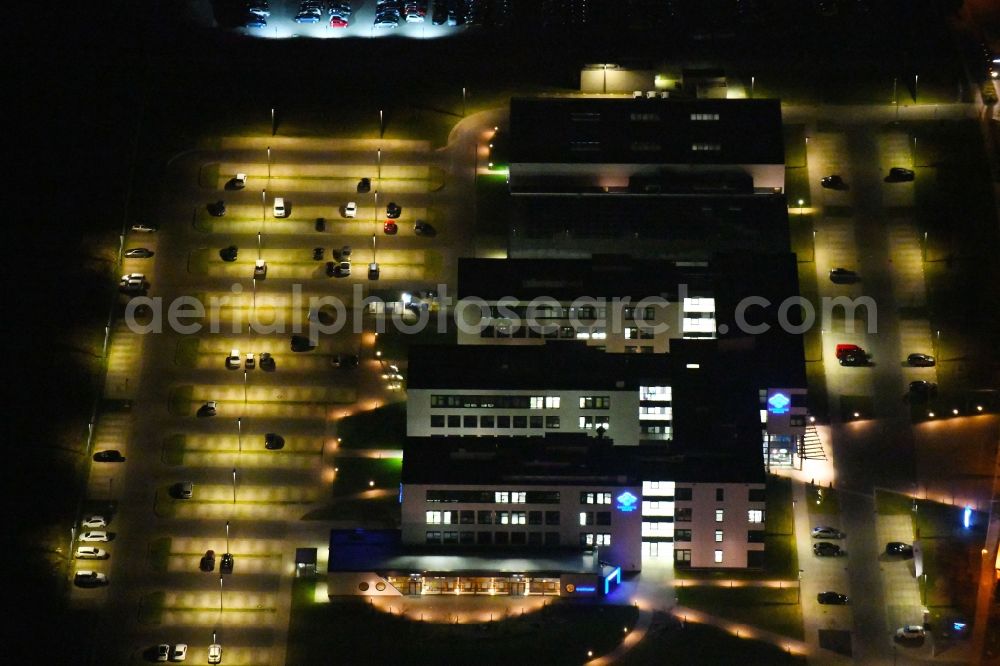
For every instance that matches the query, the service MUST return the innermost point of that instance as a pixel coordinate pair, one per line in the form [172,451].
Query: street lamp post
[269,165]
[752,80]
[227,536]
[463,101]
[234,485]
[381,124]
[916,80]
[274,127]
[239,419]
[220,592]
[799,591]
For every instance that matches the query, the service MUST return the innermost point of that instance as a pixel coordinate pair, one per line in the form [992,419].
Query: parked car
[393,210]
[86,578]
[94,522]
[209,408]
[318,253]
[207,562]
[364,185]
[832,182]
[229,253]
[825,532]
[345,361]
[832,598]
[826,549]
[183,490]
[240,180]
[233,360]
[343,269]
[267,361]
[94,536]
[162,652]
[899,548]
[320,224]
[842,275]
[373,271]
[855,360]
[180,652]
[899,175]
[250,363]
[109,455]
[226,566]
[345,253]
[351,209]
[390,228]
[422,228]
[260,269]
[844,349]
[253,20]
[217,208]
[279,207]
[922,391]
[920,360]
[215,653]
[331,268]
[910,632]
[144,228]
[138,253]
[307,17]
[273,441]
[91,553]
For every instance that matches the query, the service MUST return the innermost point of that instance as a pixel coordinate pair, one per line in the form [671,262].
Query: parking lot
[253,501]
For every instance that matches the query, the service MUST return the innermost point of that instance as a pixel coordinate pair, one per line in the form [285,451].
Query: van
[279,206]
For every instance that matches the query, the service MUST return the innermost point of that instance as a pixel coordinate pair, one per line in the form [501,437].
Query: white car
[96,535]
[910,631]
[91,553]
[251,363]
[90,578]
[180,652]
[279,206]
[824,532]
[215,653]
[233,360]
[133,276]
[240,181]
[162,652]
[94,521]
[260,269]
[351,209]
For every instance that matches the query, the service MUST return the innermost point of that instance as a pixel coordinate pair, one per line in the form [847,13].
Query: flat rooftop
[586,130]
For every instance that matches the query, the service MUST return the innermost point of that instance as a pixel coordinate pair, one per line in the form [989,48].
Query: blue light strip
[586,589]
[617,573]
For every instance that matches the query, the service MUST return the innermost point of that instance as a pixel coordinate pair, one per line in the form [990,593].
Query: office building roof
[586,130]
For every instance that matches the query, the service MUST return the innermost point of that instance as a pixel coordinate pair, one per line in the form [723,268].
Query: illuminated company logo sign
[778,403]
[626,501]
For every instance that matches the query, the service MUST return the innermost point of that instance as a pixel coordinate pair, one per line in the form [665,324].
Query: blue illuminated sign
[626,501]
[616,575]
[778,403]
[967,517]
[586,589]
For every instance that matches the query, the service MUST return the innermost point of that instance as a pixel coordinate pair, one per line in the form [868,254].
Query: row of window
[682,494]
[495,518]
[683,514]
[685,535]
[683,557]
[529,312]
[494,496]
[704,116]
[499,421]
[706,147]
[595,518]
[470,538]
[497,401]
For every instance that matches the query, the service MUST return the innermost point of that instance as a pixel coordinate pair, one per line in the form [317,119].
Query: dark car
[307,17]
[422,228]
[922,390]
[209,408]
[920,360]
[899,548]
[207,561]
[317,254]
[273,441]
[834,598]
[301,343]
[331,268]
[365,185]
[832,182]
[267,361]
[899,175]
[827,549]
[218,208]
[138,253]
[854,359]
[229,253]
[252,20]
[345,361]
[393,210]
[843,276]
[320,224]
[111,455]
[390,228]
[226,566]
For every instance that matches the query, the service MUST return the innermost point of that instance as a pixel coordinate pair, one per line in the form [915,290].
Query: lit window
[517,497]
[603,539]
[433,517]
[537,402]
[718,536]
[755,516]
[704,116]
[718,557]
[583,517]
[718,515]
[501,497]
[504,517]
[518,518]
[706,147]
[552,402]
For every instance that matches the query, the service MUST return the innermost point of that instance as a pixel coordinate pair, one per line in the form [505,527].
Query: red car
[337,22]
[390,228]
[845,350]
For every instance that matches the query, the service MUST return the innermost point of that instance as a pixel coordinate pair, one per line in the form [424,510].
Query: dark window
[551,517]
[484,517]
[468,538]
[757,495]
[454,421]
[484,538]
[682,494]
[589,520]
[796,421]
[534,538]
[552,422]
[520,421]
[534,517]
[603,517]
[500,538]
[552,538]
[682,535]
[503,421]
[682,515]
[486,421]
[755,536]
[542,497]
[451,537]
[467,517]
[518,538]
[536,421]
[433,537]
[720,494]
[437,420]
[469,421]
